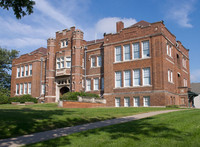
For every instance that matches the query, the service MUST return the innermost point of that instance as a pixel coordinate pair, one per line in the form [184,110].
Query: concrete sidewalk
[41,136]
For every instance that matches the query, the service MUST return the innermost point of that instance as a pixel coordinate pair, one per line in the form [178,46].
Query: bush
[4,99]
[23,99]
[74,95]
[172,106]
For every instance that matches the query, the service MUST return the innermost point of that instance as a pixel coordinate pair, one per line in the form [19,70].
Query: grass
[21,120]
[176,129]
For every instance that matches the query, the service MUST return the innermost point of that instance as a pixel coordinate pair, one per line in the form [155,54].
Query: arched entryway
[64,90]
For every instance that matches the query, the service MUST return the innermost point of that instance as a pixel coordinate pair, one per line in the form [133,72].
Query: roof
[95,41]
[141,23]
[41,50]
[195,87]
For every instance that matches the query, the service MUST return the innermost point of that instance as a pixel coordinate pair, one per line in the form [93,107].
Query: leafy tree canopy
[6,57]
[20,7]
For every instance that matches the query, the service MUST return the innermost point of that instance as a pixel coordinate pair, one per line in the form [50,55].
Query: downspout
[41,78]
[45,75]
[85,64]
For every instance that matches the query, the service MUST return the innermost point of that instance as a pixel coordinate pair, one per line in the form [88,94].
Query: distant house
[196,88]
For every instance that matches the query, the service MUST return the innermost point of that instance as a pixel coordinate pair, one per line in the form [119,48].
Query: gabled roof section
[195,87]
[40,50]
[141,23]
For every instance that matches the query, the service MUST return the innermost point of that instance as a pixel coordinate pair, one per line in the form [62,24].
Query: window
[30,69]
[126,102]
[92,61]
[62,62]
[136,77]
[146,101]
[43,89]
[118,56]
[96,84]
[146,76]
[68,62]
[185,82]
[117,102]
[118,79]
[26,70]
[136,50]
[99,61]
[58,63]
[136,101]
[22,71]
[169,50]
[127,78]
[182,101]
[184,62]
[29,88]
[18,72]
[25,88]
[17,89]
[88,85]
[102,83]
[63,43]
[127,55]
[145,49]
[170,76]
[21,88]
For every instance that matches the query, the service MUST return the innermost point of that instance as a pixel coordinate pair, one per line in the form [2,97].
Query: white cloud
[195,75]
[179,12]
[50,11]
[106,25]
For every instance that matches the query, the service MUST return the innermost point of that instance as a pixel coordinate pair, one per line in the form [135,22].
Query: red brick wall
[67,104]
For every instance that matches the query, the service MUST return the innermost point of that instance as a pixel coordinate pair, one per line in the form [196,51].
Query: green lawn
[176,129]
[20,120]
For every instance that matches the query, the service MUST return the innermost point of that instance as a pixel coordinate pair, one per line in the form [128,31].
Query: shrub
[23,99]
[74,95]
[172,106]
[4,99]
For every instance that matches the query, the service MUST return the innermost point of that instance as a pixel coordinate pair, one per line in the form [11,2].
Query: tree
[6,58]
[20,7]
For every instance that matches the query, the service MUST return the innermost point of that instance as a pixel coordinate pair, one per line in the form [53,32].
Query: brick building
[142,65]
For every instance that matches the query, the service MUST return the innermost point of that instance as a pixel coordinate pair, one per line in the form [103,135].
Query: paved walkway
[41,136]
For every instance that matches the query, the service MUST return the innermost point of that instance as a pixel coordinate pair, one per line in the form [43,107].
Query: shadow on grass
[17,122]
[135,130]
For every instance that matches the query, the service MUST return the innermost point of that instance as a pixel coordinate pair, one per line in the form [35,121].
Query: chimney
[119,26]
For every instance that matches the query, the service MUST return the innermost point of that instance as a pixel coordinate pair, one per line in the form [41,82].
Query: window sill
[170,82]
[133,87]
[132,60]
[23,77]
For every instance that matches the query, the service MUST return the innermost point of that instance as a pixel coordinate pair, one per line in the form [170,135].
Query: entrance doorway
[64,90]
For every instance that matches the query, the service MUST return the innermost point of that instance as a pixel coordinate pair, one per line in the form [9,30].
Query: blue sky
[94,17]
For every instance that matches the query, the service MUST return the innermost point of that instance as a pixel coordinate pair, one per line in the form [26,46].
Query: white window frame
[143,76]
[18,72]
[137,78]
[30,70]
[17,89]
[62,62]
[99,61]
[120,80]
[96,84]
[25,88]
[146,101]
[58,63]
[117,102]
[170,76]
[118,47]
[136,101]
[22,71]
[93,63]
[29,88]
[125,78]
[21,89]
[126,101]
[143,55]
[88,85]
[68,62]
[128,53]
[133,48]
[26,70]
[185,82]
